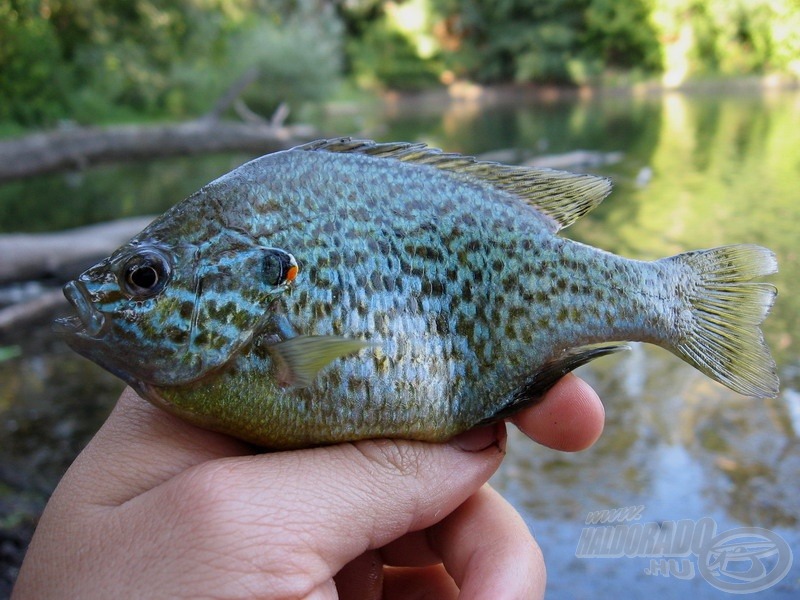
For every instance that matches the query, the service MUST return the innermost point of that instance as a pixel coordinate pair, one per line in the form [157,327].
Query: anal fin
[537,385]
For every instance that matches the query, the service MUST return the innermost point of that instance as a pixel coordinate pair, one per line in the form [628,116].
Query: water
[696,171]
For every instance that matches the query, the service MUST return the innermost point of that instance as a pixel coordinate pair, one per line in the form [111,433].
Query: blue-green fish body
[345,290]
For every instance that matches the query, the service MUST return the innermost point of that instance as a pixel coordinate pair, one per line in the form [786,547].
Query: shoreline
[465,91]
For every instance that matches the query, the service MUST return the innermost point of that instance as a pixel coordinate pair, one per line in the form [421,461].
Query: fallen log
[80,147]
[41,307]
[62,255]
[576,160]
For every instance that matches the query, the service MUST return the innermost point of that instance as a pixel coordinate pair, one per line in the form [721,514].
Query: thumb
[174,511]
[298,517]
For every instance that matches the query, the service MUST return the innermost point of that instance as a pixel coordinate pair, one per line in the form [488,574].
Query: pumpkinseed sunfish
[348,289]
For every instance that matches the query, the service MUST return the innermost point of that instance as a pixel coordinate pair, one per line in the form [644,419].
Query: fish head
[160,314]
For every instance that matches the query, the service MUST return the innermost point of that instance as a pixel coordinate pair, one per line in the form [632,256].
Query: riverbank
[498,95]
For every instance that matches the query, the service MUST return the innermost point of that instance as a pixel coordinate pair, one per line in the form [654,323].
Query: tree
[89,60]
[33,75]
[546,40]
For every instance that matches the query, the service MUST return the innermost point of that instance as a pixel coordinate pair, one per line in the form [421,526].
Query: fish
[347,289]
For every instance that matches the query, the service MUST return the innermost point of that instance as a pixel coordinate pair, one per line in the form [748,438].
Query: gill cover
[174,314]
[230,297]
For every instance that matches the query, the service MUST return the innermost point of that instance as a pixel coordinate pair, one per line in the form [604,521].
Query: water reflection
[724,170]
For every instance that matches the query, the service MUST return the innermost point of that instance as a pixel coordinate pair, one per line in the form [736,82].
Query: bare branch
[230,96]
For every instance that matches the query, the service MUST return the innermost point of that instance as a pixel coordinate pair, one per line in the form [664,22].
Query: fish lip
[89,321]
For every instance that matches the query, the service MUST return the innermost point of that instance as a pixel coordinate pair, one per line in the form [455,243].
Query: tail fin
[724,340]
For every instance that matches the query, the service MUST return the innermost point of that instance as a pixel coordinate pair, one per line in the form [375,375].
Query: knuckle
[393,458]
[203,499]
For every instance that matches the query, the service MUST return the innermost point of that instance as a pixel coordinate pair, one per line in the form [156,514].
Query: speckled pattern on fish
[347,289]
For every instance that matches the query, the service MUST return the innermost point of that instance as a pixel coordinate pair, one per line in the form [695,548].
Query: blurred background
[690,106]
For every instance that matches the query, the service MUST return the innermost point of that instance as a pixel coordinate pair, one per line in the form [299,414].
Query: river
[685,457]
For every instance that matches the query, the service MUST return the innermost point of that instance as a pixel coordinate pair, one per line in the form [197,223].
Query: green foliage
[384,57]
[621,35]
[299,57]
[735,37]
[100,60]
[32,73]
[92,60]
[121,53]
[510,39]
[547,40]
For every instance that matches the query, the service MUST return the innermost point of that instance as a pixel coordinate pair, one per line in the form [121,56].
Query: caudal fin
[724,340]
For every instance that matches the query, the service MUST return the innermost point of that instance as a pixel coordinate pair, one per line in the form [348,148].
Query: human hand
[155,507]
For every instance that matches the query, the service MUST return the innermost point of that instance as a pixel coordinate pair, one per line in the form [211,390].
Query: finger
[323,507]
[570,418]
[411,550]
[362,578]
[140,446]
[358,581]
[402,583]
[485,545]
[284,523]
[487,549]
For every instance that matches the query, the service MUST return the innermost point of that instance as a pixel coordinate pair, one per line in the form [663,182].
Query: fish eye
[145,274]
[279,267]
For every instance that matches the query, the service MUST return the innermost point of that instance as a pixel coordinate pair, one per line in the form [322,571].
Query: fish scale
[431,293]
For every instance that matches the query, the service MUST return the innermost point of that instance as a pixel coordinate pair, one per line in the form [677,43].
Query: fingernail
[481,438]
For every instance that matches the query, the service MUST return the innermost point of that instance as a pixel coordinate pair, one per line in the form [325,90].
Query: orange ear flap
[291,273]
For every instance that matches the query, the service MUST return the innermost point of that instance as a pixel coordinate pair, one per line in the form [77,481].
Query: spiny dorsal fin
[562,196]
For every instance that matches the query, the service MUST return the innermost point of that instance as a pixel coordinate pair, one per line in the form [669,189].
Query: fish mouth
[89,321]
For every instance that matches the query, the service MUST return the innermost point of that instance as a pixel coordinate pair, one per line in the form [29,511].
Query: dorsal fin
[562,196]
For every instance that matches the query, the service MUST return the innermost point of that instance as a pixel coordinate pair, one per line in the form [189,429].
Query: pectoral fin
[299,359]
[540,382]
